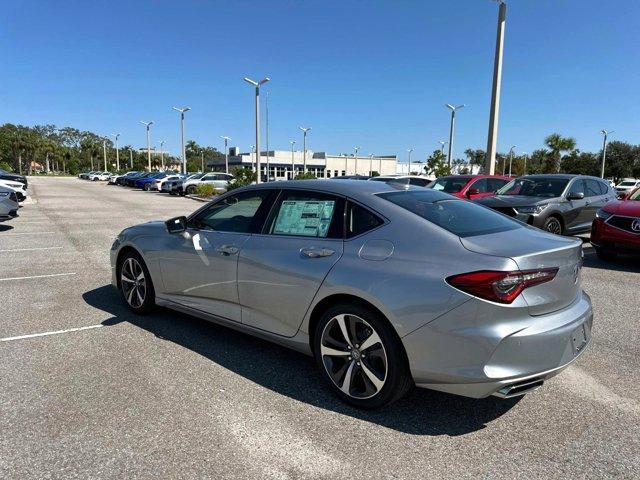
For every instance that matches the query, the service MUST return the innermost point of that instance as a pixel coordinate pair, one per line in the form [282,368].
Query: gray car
[8,204]
[387,286]
[558,203]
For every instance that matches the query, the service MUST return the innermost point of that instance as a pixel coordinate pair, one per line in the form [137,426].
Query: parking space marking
[26,233]
[45,334]
[37,276]
[29,249]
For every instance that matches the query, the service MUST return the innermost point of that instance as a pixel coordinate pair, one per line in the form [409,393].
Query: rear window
[462,218]
[450,184]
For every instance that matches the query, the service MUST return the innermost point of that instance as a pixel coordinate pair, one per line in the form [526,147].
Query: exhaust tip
[519,388]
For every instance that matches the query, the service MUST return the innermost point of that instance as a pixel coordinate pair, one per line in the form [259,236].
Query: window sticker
[309,218]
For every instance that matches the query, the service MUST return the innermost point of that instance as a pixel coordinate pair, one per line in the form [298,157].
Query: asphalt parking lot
[168,396]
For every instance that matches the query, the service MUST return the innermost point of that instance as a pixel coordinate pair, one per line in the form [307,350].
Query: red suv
[617,227]
[470,186]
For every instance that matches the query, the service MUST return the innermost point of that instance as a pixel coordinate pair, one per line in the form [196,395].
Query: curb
[199,199]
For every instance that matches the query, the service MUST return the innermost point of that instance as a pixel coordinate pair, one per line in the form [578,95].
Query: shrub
[242,178]
[205,190]
[5,166]
[305,176]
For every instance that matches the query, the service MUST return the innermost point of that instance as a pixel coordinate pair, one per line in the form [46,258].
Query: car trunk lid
[534,249]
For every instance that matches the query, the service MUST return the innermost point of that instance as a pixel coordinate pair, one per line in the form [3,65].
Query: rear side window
[460,217]
[307,214]
[360,220]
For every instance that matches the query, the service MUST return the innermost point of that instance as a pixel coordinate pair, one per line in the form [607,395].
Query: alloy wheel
[133,282]
[354,356]
[553,226]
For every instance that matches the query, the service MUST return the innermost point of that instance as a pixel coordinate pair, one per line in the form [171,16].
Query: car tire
[191,189]
[135,284]
[606,255]
[370,377]
[553,225]
[146,187]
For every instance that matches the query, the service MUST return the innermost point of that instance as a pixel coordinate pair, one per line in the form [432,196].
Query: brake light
[501,287]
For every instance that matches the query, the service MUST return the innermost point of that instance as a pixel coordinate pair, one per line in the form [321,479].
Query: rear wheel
[553,225]
[136,286]
[146,187]
[191,189]
[361,357]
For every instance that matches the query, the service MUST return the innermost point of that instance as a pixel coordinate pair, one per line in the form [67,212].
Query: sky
[373,74]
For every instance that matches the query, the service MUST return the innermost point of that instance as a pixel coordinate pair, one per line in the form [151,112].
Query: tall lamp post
[183,151]
[524,169]
[266,108]
[162,142]
[442,144]
[409,151]
[131,158]
[116,136]
[257,85]
[605,134]
[511,158]
[304,148]
[371,164]
[226,153]
[148,126]
[293,163]
[492,139]
[356,158]
[253,164]
[452,128]
[104,153]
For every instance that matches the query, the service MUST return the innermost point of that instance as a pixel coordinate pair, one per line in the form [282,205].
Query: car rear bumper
[469,353]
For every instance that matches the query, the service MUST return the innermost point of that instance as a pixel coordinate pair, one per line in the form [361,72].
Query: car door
[575,214]
[281,269]
[596,198]
[199,266]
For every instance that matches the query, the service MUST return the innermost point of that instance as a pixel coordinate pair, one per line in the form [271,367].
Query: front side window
[578,187]
[481,185]
[236,213]
[450,184]
[307,214]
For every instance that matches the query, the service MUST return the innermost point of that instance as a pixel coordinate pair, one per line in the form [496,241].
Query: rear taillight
[501,287]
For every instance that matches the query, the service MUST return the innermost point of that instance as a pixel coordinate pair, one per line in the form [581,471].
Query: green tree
[622,160]
[437,164]
[476,157]
[242,177]
[584,163]
[557,144]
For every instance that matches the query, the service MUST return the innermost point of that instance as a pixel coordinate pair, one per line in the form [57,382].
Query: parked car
[220,182]
[20,189]
[123,179]
[159,182]
[417,180]
[386,287]
[131,181]
[99,176]
[627,185]
[173,187]
[145,183]
[471,187]
[560,204]
[616,228]
[85,175]
[113,179]
[8,204]
[4,175]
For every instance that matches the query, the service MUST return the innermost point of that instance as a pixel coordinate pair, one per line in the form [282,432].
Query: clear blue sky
[367,73]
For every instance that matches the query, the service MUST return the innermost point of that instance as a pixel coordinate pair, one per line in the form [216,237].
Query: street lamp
[226,153]
[184,153]
[304,148]
[524,169]
[452,127]
[492,139]
[104,153]
[409,161]
[148,125]
[293,163]
[356,157]
[604,133]
[511,158]
[131,158]
[257,85]
[253,151]
[116,135]
[370,164]
[162,154]
[442,144]
[266,107]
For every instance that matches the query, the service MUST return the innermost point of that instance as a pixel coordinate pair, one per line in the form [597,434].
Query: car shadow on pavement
[290,373]
[623,263]
[4,228]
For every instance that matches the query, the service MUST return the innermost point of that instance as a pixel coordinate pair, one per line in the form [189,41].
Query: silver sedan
[387,286]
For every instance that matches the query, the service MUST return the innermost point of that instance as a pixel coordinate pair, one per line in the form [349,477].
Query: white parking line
[44,334]
[29,249]
[26,233]
[37,276]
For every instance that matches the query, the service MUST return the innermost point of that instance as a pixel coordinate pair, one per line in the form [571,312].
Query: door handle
[313,252]
[227,250]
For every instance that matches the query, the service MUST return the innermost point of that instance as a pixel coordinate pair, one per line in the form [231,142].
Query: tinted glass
[459,217]
[450,184]
[420,182]
[593,188]
[307,214]
[635,195]
[481,185]
[360,220]
[578,187]
[495,184]
[604,188]
[232,214]
[546,187]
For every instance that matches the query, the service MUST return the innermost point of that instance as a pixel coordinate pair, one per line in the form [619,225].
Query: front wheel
[553,225]
[146,187]
[361,357]
[136,286]
[191,190]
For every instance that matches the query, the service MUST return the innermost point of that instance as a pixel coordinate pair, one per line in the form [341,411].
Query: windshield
[535,187]
[635,195]
[627,184]
[195,176]
[449,184]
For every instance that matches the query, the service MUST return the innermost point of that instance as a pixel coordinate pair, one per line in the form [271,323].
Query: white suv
[99,176]
[627,185]
[20,189]
[220,182]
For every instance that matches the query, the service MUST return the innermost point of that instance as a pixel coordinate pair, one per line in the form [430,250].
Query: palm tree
[558,144]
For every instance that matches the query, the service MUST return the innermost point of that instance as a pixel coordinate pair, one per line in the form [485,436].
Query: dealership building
[284,165]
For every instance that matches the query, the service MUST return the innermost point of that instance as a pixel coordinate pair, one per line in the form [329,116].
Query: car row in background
[627,186]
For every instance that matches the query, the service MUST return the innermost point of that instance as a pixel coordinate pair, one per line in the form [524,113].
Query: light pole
[116,136]
[346,163]
[226,153]
[148,125]
[492,139]
[442,144]
[304,148]
[511,158]
[266,107]
[253,164]
[257,85]
[293,163]
[452,127]
[162,142]
[604,133]
[370,164]
[131,158]
[524,169]
[356,158]
[184,153]
[409,161]
[104,153]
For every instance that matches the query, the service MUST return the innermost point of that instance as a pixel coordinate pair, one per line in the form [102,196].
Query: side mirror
[176,224]
[473,191]
[623,195]
[575,196]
